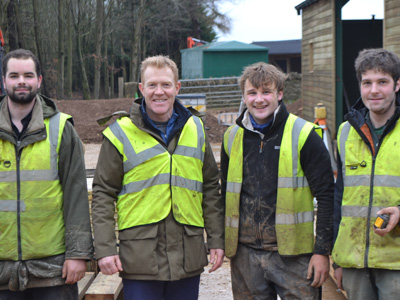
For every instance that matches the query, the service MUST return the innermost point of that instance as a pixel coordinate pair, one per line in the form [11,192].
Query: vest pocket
[137,250]
[195,253]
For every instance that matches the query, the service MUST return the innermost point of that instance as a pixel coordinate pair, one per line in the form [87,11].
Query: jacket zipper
[371,198]
[18,156]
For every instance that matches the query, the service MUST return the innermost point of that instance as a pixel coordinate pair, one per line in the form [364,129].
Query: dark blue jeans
[60,292]
[184,289]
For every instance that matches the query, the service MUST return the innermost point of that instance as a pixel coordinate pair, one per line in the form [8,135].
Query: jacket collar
[44,108]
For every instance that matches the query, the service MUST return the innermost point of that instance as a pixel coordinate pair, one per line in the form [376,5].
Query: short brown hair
[262,74]
[159,61]
[21,54]
[378,59]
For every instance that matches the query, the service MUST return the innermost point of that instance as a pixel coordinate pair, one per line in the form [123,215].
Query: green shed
[220,59]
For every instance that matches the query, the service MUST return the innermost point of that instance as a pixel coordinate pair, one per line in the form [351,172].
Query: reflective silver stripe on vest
[360,211]
[133,159]
[41,175]
[134,187]
[343,138]
[192,185]
[292,219]
[11,205]
[231,138]
[233,187]
[295,181]
[232,222]
[191,151]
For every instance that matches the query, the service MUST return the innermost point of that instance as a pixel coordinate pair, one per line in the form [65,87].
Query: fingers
[110,265]
[73,270]
[216,258]
[338,276]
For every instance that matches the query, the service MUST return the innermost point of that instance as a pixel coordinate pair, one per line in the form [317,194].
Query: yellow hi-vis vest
[31,197]
[294,223]
[369,184]
[154,180]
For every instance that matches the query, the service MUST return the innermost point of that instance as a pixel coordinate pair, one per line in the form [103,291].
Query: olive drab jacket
[45,208]
[368,180]
[167,246]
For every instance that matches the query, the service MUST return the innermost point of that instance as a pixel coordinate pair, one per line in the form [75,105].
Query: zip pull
[261,146]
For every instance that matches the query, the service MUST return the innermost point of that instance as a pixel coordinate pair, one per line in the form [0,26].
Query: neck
[19,111]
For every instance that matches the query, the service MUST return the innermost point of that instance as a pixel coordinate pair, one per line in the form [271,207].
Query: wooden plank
[104,287]
[84,284]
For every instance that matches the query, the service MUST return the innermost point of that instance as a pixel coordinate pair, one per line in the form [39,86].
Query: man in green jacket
[368,183]
[157,165]
[45,236]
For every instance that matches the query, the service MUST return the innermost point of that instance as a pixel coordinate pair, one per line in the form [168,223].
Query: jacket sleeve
[337,213]
[78,236]
[213,208]
[315,161]
[107,184]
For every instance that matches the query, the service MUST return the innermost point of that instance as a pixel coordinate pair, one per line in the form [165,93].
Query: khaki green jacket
[165,250]
[20,275]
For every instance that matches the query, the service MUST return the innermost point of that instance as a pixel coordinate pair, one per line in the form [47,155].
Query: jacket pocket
[137,250]
[194,248]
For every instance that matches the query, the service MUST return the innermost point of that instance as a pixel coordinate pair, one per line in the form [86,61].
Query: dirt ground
[214,286]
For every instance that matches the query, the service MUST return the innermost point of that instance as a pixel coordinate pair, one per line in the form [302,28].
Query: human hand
[73,270]
[110,265]
[339,276]
[218,255]
[394,214]
[319,266]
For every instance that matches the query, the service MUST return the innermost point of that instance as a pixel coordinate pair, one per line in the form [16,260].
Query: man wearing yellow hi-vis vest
[157,165]
[366,251]
[273,164]
[45,235]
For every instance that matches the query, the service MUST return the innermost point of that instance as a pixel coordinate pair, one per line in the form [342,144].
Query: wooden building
[329,48]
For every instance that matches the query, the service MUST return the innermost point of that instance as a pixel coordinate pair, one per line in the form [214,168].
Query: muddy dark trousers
[184,289]
[371,284]
[60,292]
[260,274]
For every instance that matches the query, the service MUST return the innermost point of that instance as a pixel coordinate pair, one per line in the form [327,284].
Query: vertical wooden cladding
[392,26]
[318,59]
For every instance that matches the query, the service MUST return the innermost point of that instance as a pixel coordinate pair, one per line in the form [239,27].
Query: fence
[219,92]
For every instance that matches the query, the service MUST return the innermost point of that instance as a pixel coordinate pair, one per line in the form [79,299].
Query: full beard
[22,99]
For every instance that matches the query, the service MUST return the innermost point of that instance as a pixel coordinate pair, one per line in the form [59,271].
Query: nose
[159,89]
[374,88]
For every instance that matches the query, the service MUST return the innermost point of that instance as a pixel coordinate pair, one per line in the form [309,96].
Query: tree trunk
[105,65]
[12,25]
[61,56]
[136,46]
[85,83]
[38,42]
[68,83]
[97,57]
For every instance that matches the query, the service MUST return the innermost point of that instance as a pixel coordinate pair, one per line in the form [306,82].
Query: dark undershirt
[25,122]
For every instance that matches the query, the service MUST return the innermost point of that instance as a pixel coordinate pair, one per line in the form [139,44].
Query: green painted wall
[230,63]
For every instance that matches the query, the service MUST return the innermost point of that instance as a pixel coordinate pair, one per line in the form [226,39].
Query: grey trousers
[262,275]
[371,284]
